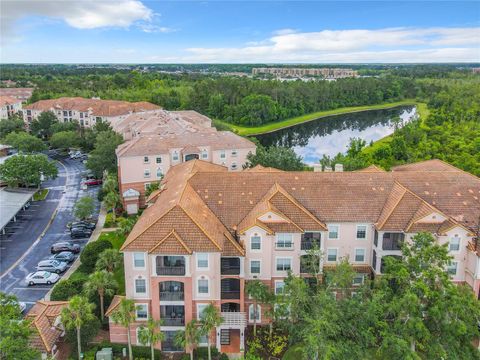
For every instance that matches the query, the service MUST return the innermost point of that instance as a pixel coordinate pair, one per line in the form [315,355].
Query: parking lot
[44,223]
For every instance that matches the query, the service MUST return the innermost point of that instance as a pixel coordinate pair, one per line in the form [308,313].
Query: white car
[41,277]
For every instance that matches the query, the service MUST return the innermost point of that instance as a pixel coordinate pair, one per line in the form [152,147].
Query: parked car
[54,266]
[85,224]
[66,256]
[80,232]
[64,246]
[41,277]
[93,182]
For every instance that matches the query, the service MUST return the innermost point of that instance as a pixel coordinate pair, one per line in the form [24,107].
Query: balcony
[234,319]
[310,241]
[230,289]
[171,295]
[172,315]
[393,241]
[180,321]
[170,265]
[230,266]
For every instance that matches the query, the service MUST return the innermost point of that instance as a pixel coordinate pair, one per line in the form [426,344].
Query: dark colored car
[80,232]
[66,256]
[92,182]
[82,224]
[64,246]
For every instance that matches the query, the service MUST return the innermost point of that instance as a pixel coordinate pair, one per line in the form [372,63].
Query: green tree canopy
[102,283]
[84,208]
[27,170]
[64,140]
[277,157]
[12,124]
[42,126]
[103,157]
[24,142]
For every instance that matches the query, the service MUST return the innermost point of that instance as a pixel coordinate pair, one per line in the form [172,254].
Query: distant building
[326,73]
[87,112]
[9,106]
[160,139]
[476,70]
[22,94]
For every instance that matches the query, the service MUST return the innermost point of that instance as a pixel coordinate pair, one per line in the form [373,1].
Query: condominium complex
[209,231]
[160,139]
[9,106]
[87,112]
[327,73]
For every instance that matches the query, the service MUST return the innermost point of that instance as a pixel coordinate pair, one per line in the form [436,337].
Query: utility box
[104,354]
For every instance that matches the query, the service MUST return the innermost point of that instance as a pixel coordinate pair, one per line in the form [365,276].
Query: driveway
[25,246]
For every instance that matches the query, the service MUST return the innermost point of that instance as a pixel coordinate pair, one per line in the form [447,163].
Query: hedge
[65,289]
[91,252]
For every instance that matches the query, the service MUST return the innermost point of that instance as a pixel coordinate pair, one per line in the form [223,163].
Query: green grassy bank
[257,130]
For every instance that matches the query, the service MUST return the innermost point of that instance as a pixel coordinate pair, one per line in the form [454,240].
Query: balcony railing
[171,270]
[309,245]
[234,319]
[171,295]
[168,321]
[230,270]
[230,266]
[170,345]
[231,294]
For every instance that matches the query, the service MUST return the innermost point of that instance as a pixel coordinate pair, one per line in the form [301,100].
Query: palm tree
[110,183]
[125,315]
[102,283]
[111,201]
[258,291]
[151,334]
[189,338]
[109,260]
[126,224]
[210,320]
[78,312]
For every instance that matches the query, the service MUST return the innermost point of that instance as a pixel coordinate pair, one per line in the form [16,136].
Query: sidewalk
[96,233]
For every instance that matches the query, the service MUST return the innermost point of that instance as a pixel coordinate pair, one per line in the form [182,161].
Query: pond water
[331,135]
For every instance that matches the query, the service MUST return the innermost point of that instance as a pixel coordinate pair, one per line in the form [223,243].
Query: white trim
[364,255]
[337,255]
[208,262]
[136,335]
[259,313]
[144,261]
[357,275]
[459,243]
[137,294]
[136,317]
[292,246]
[250,267]
[283,257]
[275,286]
[450,266]
[366,232]
[198,309]
[199,294]
[146,173]
[250,242]
[338,232]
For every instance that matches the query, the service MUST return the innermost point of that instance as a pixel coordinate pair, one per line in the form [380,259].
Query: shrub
[223,356]
[88,332]
[109,221]
[139,352]
[201,353]
[92,250]
[65,289]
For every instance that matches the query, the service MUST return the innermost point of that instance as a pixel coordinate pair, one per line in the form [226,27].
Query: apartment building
[22,94]
[87,112]
[161,139]
[327,73]
[9,106]
[210,231]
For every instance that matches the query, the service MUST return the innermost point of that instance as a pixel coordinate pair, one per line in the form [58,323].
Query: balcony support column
[217,338]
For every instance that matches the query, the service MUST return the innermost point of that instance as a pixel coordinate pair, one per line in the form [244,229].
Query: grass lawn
[117,241]
[40,195]
[249,131]
[294,353]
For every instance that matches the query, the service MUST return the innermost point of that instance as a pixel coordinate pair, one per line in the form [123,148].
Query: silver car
[41,277]
[54,266]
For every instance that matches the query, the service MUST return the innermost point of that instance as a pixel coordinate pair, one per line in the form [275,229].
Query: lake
[331,135]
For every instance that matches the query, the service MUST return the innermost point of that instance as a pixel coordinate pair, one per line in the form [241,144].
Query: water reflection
[331,135]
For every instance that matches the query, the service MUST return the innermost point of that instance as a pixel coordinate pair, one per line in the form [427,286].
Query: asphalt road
[24,247]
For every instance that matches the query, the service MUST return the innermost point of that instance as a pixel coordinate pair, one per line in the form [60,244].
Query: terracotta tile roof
[260,168]
[96,106]
[171,244]
[113,305]
[205,204]
[43,316]
[18,93]
[8,100]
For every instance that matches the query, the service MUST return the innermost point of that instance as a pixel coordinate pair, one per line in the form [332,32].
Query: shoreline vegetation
[278,125]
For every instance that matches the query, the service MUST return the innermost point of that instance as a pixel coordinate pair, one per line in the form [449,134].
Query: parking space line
[31,288]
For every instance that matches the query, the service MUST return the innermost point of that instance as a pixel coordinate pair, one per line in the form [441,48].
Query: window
[332,255]
[175,156]
[204,154]
[358,279]
[202,261]
[81,115]
[284,264]
[141,311]
[140,286]
[234,153]
[234,166]
[139,260]
[65,113]
[333,232]
[159,172]
[222,154]
[255,242]
[284,241]
[279,287]
[158,160]
[200,309]
[146,160]
[146,173]
[454,244]
[452,268]
[255,266]
[203,340]
[146,185]
[360,255]
[252,314]
[203,286]
[137,332]
[361,232]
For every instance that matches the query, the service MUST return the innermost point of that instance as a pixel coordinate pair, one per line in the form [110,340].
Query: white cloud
[152,28]
[383,45]
[80,14]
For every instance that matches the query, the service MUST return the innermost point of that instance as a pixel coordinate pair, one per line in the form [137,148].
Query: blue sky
[251,31]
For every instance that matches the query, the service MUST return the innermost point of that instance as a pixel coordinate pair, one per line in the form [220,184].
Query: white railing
[234,319]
